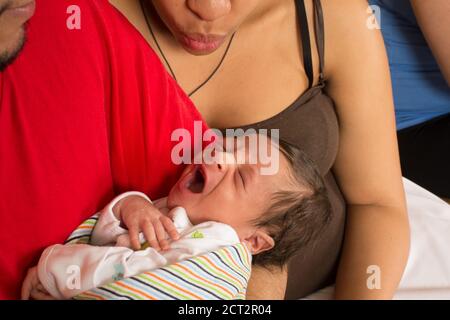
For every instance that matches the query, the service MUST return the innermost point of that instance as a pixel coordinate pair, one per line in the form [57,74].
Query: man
[14,15]
[78,124]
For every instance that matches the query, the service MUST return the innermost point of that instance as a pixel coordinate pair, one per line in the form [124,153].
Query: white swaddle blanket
[427,274]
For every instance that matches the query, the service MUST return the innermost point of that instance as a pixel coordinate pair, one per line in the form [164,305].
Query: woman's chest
[248,90]
[261,74]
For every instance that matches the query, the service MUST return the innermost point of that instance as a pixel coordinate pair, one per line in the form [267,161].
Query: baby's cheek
[176,198]
[217,208]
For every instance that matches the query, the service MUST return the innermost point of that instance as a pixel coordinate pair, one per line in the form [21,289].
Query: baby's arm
[68,270]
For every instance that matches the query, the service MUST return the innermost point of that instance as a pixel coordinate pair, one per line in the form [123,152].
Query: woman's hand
[32,287]
[139,215]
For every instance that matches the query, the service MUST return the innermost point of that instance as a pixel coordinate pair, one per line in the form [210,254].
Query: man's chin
[8,56]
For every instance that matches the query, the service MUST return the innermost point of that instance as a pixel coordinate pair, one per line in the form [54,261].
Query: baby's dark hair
[297,216]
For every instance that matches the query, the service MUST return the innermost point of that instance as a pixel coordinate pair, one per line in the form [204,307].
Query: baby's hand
[139,215]
[32,287]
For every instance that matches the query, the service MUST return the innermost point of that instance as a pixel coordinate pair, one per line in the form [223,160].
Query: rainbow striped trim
[218,275]
[82,234]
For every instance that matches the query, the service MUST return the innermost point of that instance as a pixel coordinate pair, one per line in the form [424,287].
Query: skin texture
[12,30]
[432,17]
[263,74]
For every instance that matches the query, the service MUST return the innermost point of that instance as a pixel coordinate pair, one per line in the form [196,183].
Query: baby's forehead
[258,150]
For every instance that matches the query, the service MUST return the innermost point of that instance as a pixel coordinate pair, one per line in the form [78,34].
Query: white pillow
[427,274]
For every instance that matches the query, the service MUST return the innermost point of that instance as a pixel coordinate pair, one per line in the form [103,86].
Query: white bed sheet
[427,274]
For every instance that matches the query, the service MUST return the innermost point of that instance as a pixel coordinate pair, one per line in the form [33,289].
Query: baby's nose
[219,159]
[225,159]
[210,10]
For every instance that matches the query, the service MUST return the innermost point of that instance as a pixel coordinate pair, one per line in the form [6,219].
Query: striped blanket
[218,275]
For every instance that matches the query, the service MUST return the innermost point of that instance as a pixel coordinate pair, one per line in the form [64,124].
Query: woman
[416,37]
[283,63]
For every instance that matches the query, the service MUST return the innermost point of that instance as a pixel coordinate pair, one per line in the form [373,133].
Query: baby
[211,206]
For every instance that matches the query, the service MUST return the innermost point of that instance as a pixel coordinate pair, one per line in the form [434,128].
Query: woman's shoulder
[348,17]
[351,29]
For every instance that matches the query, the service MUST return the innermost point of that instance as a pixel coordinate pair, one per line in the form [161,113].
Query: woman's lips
[202,43]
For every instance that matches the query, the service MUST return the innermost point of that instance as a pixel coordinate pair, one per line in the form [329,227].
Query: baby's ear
[259,242]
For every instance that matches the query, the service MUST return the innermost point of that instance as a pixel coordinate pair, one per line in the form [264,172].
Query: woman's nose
[210,10]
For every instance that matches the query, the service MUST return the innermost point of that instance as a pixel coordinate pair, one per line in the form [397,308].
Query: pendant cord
[147,20]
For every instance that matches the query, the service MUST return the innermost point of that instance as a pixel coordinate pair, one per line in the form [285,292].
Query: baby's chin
[172,201]
[175,199]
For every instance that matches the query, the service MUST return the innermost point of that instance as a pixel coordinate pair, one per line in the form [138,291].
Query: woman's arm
[433,19]
[367,166]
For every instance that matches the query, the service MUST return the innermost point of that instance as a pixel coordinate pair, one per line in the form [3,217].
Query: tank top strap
[319,31]
[306,40]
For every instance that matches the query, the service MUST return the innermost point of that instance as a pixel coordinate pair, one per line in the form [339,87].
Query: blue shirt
[420,90]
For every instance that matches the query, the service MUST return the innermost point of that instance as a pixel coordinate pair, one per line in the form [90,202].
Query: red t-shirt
[84,114]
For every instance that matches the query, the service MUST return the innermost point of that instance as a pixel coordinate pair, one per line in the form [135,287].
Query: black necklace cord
[147,20]
[216,69]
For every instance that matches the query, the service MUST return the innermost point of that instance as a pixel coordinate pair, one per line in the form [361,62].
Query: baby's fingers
[31,280]
[170,227]
[133,231]
[161,235]
[39,295]
[149,233]
[26,289]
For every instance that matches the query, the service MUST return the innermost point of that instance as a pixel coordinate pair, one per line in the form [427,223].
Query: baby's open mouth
[197,183]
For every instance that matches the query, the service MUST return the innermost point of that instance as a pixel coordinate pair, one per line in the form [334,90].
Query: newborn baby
[211,206]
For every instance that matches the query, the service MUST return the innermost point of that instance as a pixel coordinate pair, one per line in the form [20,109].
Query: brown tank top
[311,124]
